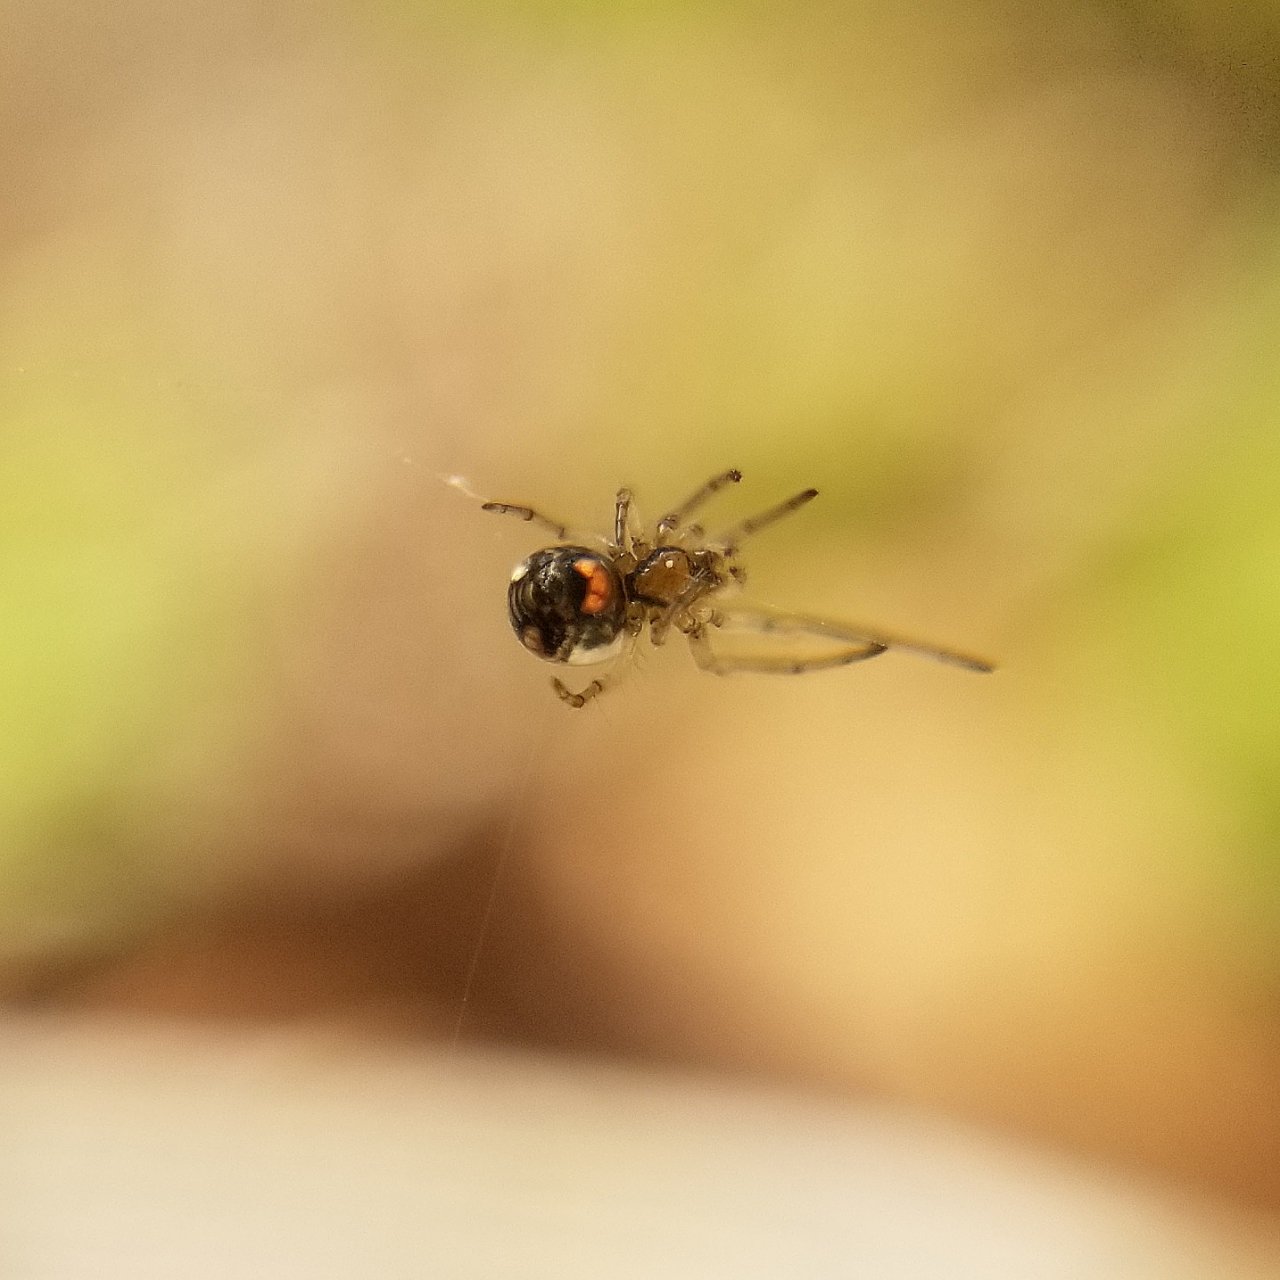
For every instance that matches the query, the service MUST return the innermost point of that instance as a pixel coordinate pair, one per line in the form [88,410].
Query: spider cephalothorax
[571,604]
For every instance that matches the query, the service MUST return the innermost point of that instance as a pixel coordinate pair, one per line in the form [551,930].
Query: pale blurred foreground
[155,1154]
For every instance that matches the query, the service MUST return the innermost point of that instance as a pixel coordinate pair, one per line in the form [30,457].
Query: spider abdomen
[568,604]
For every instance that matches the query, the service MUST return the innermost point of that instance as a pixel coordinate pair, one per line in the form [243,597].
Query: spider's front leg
[774,643]
[728,542]
[529,515]
[752,638]
[678,518]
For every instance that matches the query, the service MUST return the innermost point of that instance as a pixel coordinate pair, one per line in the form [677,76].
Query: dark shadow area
[393,957]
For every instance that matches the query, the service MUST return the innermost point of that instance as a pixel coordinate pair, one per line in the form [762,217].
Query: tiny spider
[574,604]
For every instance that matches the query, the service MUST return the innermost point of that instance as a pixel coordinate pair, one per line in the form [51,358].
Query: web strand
[504,855]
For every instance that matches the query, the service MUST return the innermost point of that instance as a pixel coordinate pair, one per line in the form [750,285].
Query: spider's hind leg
[621,512]
[628,539]
[571,699]
[615,669]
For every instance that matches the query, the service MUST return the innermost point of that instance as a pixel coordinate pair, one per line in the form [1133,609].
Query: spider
[575,604]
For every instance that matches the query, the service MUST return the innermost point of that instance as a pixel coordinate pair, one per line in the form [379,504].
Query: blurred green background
[1002,281]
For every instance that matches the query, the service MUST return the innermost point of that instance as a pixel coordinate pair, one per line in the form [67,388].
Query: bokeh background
[1002,280]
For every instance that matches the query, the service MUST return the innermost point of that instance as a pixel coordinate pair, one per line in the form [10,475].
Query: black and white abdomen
[568,604]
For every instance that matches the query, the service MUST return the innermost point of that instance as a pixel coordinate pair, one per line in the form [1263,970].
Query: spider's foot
[577,699]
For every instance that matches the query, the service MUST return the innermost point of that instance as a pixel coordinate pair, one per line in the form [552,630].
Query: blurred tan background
[1002,281]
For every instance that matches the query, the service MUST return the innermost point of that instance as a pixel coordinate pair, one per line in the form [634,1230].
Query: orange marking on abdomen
[599,587]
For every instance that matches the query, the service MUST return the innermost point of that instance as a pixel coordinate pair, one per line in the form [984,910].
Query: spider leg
[621,514]
[674,519]
[787,643]
[729,541]
[616,669]
[674,612]
[785,652]
[593,690]
[528,514]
